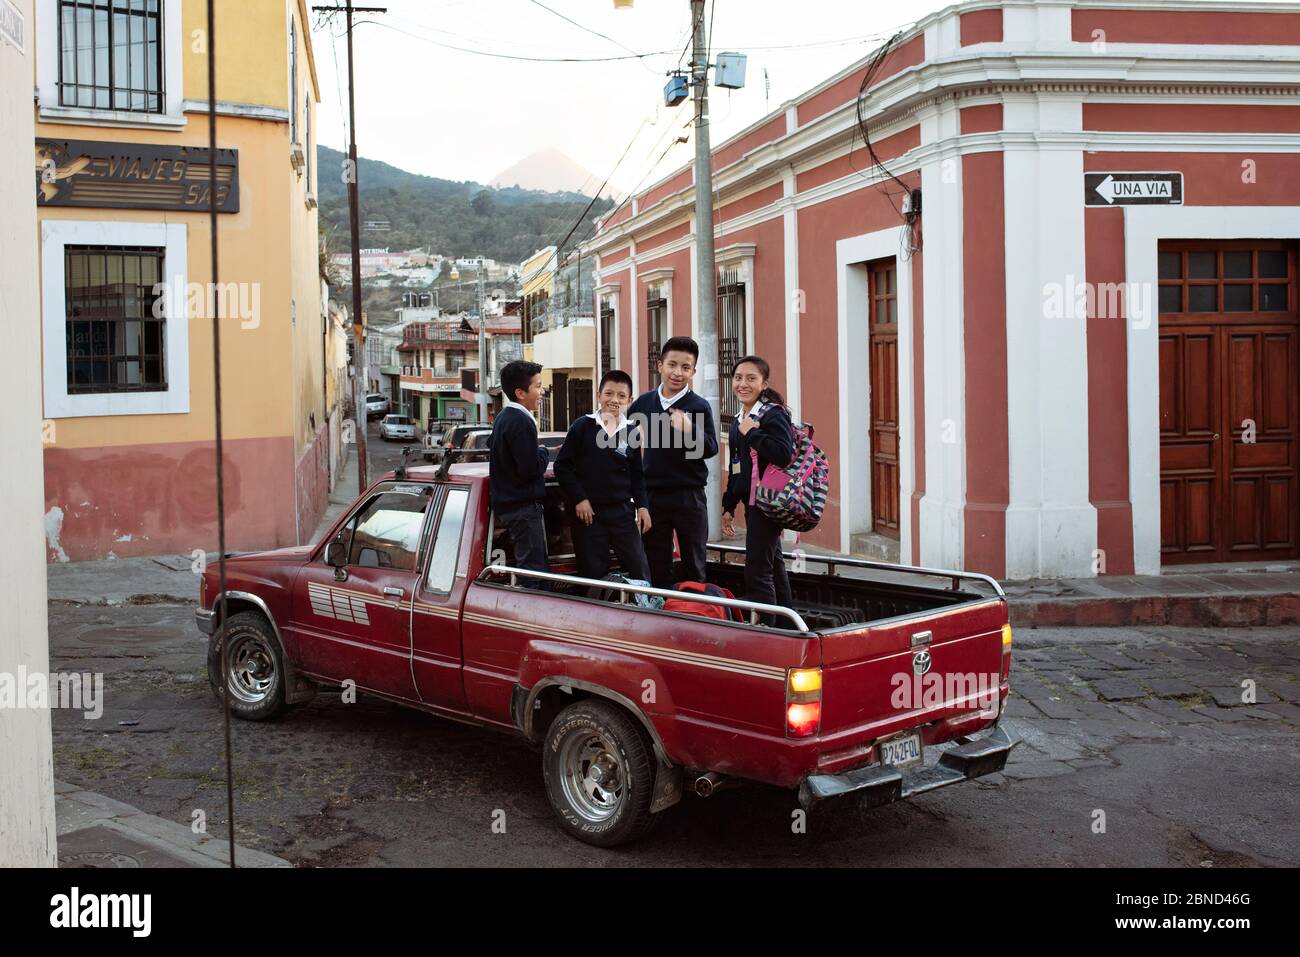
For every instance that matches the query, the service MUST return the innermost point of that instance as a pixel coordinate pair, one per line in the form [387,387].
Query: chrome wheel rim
[593,776]
[250,669]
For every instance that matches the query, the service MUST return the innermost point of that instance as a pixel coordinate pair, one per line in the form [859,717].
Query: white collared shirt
[667,404]
[511,404]
[622,422]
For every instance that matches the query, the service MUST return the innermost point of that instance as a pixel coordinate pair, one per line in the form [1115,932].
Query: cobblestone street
[1146,726]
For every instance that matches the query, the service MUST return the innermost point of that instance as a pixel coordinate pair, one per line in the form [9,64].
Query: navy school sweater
[516,463]
[601,468]
[668,462]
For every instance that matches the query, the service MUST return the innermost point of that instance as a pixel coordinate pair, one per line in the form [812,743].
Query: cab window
[446,542]
[558,519]
[386,532]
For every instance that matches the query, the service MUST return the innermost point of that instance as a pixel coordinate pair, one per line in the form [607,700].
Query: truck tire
[255,675]
[599,771]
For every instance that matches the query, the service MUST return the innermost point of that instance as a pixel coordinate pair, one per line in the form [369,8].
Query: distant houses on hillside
[417,267]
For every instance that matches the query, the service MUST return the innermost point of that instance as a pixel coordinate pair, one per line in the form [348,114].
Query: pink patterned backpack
[793,497]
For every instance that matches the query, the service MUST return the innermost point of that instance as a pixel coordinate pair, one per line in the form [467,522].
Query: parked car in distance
[377,404]
[398,427]
[477,445]
[870,687]
[434,436]
[456,435]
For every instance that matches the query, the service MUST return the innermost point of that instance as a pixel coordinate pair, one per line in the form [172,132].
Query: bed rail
[753,607]
[831,561]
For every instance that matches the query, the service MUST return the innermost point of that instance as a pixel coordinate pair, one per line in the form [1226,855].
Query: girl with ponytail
[762,426]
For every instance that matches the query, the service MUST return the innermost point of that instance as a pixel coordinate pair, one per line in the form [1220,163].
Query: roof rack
[832,560]
[447,456]
[753,607]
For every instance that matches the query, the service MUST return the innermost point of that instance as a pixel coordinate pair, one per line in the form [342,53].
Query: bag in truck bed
[721,612]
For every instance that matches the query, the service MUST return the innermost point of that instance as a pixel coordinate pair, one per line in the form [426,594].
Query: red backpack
[721,612]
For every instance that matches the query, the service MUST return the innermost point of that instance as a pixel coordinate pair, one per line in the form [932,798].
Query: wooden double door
[1229,406]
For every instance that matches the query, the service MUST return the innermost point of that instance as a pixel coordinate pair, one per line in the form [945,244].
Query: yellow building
[559,333]
[127,297]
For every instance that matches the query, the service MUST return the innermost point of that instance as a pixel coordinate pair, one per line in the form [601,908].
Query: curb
[79,811]
[1197,611]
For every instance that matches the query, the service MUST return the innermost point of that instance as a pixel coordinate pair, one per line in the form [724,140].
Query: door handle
[390,590]
[1216,436]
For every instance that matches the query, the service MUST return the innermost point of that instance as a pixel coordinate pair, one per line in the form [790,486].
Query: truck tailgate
[888,677]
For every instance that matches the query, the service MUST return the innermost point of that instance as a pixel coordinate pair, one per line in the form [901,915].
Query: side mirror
[336,554]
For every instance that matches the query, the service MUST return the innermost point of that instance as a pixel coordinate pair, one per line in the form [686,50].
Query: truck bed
[836,601]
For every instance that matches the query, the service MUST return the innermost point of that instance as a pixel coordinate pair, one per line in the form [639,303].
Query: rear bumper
[206,619]
[875,785]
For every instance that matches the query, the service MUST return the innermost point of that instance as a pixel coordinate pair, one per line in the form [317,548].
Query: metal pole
[706,277]
[482,354]
[360,381]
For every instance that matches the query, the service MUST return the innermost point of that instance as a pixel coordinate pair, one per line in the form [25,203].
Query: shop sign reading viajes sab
[133,176]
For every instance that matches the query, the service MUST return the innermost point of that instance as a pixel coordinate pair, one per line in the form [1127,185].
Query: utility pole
[482,354]
[706,278]
[361,380]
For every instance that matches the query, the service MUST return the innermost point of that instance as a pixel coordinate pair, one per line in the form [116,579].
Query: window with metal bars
[656,313]
[606,337]
[115,343]
[111,55]
[731,338]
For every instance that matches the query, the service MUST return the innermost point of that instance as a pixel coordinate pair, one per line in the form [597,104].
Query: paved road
[1146,726]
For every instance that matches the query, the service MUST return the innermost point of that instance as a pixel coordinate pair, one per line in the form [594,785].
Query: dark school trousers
[528,539]
[686,512]
[613,526]
[765,575]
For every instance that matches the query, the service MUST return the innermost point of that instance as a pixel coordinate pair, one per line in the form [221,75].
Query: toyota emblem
[921,662]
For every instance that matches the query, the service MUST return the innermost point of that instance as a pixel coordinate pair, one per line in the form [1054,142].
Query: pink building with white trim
[1072,373]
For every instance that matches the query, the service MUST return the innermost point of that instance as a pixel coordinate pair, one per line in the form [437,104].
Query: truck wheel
[255,672]
[599,773]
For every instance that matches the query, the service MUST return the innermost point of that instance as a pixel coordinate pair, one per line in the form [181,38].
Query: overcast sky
[428,108]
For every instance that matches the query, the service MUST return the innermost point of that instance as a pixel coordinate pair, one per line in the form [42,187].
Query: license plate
[901,751]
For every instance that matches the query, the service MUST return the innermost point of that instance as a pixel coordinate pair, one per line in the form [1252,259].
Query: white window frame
[662,277]
[47,75]
[59,404]
[607,295]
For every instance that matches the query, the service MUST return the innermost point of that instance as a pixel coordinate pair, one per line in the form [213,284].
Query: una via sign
[1132,189]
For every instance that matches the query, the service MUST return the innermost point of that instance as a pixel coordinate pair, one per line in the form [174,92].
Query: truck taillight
[802,718]
[803,702]
[1006,639]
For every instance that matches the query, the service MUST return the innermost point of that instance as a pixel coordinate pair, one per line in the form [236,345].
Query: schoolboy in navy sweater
[599,469]
[517,467]
[679,436]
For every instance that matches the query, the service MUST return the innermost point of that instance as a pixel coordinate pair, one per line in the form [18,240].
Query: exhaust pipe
[709,782]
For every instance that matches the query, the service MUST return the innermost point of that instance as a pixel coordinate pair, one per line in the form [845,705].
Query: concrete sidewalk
[1209,596]
[97,831]
[1217,596]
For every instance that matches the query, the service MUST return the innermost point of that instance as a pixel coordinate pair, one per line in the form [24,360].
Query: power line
[739,47]
[580,26]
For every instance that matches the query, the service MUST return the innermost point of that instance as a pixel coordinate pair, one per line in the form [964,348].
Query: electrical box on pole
[729,71]
[676,90]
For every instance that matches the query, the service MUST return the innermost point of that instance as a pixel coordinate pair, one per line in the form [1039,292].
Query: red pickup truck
[875,685]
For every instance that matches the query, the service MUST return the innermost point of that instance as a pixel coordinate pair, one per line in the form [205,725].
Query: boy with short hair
[599,469]
[517,467]
[679,437]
